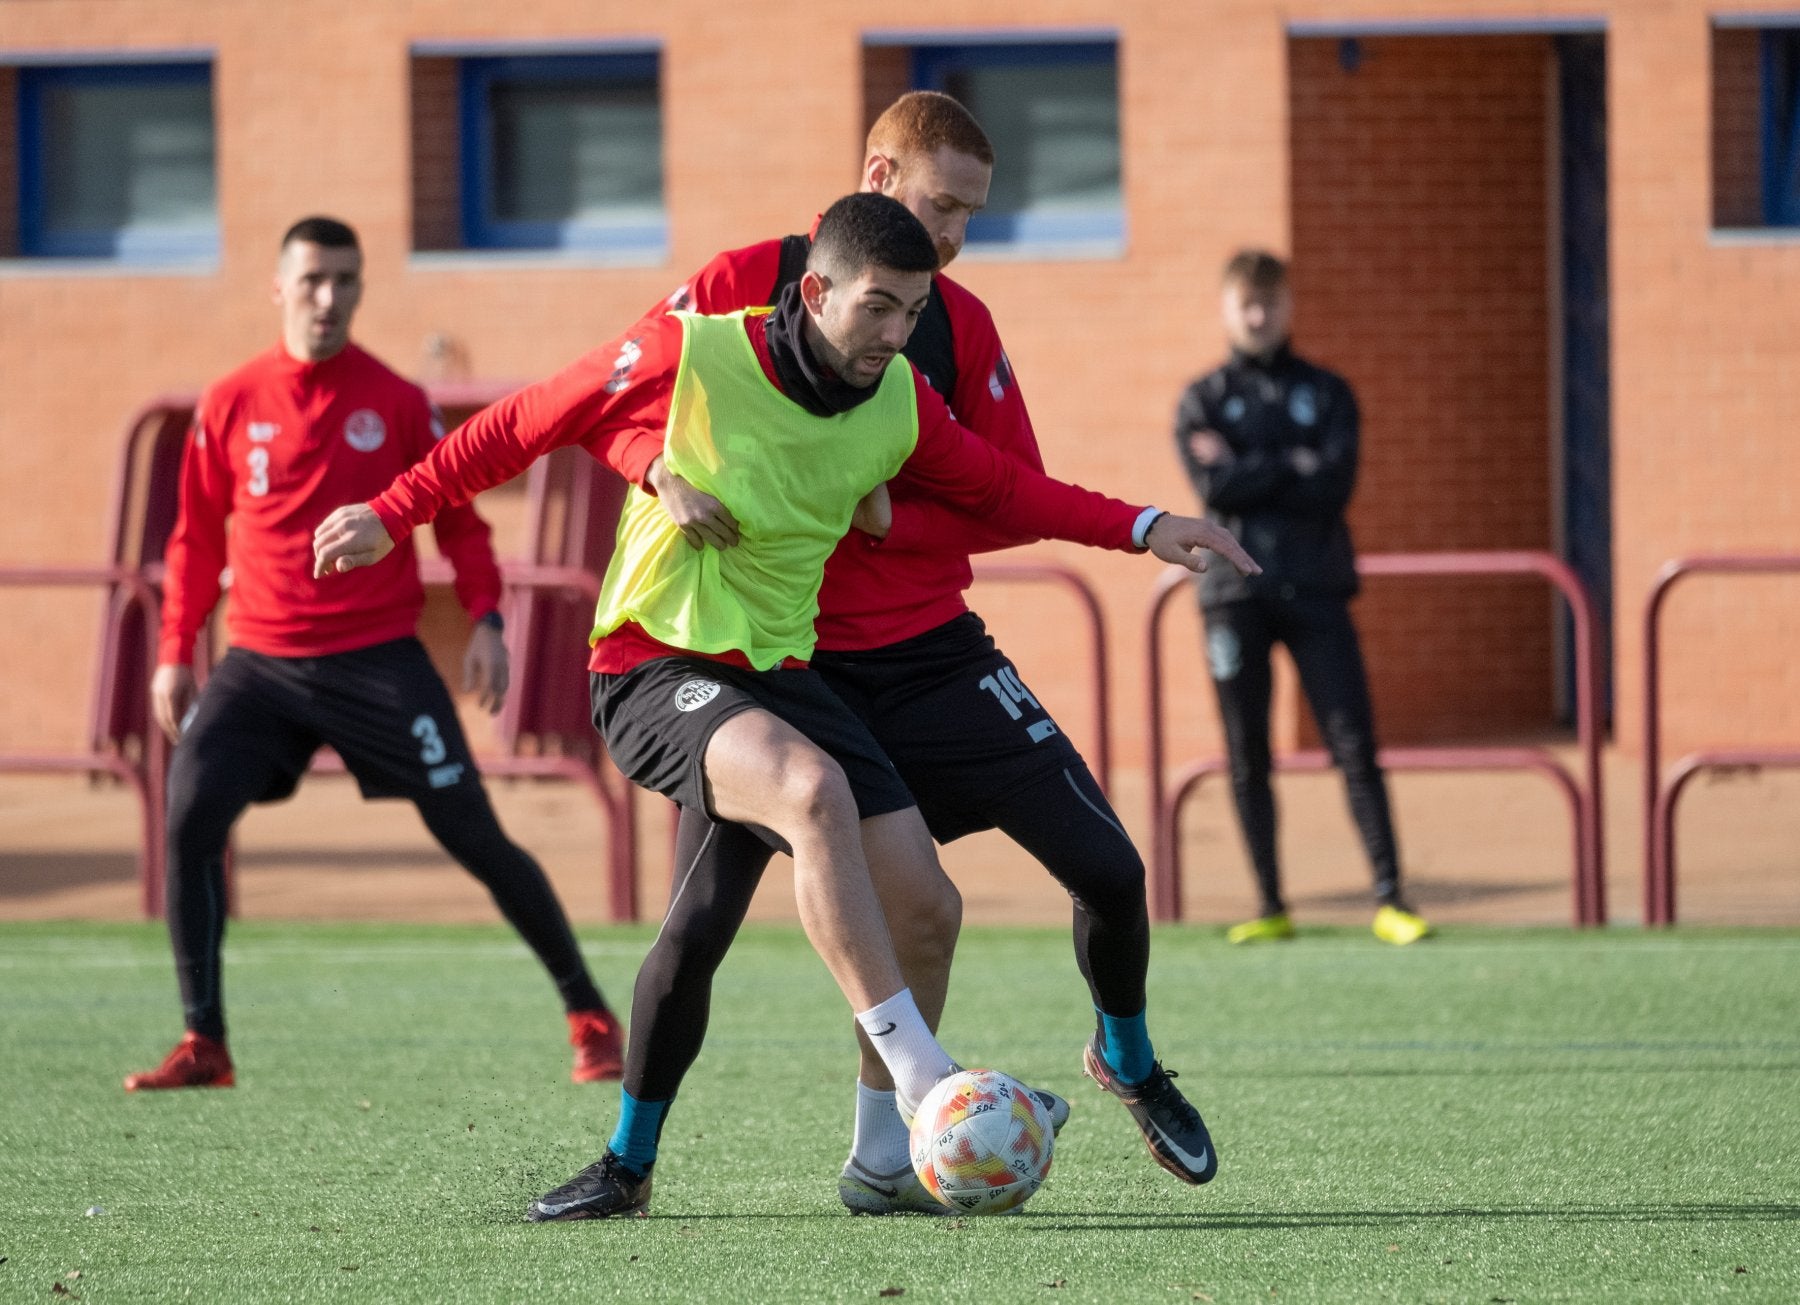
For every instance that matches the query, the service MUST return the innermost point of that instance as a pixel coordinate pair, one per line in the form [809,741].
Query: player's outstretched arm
[350,537]
[1186,541]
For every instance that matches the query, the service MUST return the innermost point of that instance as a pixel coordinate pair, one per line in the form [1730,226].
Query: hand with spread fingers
[1185,541]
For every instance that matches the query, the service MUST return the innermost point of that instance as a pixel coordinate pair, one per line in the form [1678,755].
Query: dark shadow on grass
[346,858]
[1228,1221]
[1510,1071]
[1428,892]
[33,874]
[29,874]
[1697,1212]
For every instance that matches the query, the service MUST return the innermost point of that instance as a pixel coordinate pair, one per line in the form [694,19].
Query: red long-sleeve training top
[614,402]
[275,447]
[880,592]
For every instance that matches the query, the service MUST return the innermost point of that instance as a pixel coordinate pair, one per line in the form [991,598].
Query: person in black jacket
[1269,441]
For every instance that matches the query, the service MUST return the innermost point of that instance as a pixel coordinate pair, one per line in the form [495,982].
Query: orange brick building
[1547,242]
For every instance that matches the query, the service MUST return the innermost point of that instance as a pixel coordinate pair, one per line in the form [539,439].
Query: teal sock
[640,1128]
[1125,1042]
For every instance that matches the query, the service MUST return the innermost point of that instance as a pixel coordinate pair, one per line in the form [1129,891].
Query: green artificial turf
[1494,1116]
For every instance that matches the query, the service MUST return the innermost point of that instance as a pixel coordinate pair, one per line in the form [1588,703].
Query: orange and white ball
[981,1143]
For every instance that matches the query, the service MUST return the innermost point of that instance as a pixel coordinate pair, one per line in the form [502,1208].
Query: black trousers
[384,709]
[1321,638]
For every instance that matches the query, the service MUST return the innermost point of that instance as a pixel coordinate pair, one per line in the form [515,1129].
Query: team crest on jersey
[364,430]
[629,353]
[1001,379]
[1303,405]
[695,694]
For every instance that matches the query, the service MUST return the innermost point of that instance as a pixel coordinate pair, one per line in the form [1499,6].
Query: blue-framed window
[1781,127]
[562,152]
[117,161]
[1052,112]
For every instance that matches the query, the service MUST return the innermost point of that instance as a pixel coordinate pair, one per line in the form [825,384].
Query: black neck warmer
[804,379]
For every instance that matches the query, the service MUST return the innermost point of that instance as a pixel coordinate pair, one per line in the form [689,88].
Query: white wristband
[1140,529]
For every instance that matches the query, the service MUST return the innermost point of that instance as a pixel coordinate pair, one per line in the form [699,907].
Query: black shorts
[383,709]
[956,720]
[657,719]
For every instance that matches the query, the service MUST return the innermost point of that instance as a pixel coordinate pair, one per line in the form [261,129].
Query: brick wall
[1706,380]
[1706,363]
[1421,273]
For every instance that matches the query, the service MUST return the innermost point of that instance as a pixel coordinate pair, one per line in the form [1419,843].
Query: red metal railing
[1052,573]
[144,774]
[143,514]
[1588,880]
[1661,794]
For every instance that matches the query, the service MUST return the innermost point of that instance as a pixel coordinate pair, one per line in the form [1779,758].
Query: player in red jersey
[700,687]
[302,427]
[900,646]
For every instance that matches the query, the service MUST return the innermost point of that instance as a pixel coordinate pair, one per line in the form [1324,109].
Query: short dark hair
[326,232]
[866,230]
[1256,268]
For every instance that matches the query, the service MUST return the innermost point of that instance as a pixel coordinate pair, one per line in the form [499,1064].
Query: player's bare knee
[932,908]
[811,794]
[915,892]
[926,930]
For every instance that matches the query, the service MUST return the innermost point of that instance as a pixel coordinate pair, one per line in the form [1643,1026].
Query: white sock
[882,1142]
[907,1048]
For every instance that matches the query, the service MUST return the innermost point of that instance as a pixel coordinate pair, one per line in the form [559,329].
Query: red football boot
[599,1046]
[197,1061]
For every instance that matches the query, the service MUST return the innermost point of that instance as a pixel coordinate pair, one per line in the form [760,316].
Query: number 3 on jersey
[258,458]
[1009,691]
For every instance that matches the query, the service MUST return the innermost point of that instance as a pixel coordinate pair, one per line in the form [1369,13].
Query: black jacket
[1292,524]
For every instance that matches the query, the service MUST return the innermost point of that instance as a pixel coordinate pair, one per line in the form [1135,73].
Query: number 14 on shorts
[1009,691]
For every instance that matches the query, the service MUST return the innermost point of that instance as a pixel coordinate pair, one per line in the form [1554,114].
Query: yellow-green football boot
[1399,926]
[1265,928]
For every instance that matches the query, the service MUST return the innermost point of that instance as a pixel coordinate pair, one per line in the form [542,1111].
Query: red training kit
[614,402]
[276,446]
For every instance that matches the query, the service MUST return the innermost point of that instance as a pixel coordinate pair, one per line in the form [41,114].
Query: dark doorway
[1586,353]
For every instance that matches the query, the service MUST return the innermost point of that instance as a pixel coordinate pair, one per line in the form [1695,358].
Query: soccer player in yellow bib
[788,419]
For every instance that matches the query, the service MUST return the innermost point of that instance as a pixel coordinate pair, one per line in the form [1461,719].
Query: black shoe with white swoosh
[1172,1128]
[606,1189]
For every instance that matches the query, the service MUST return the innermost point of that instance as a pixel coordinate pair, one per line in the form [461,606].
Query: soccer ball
[980,1142]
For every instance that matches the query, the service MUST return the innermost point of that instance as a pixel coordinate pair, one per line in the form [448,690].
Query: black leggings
[1062,820]
[1322,640]
[208,794]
